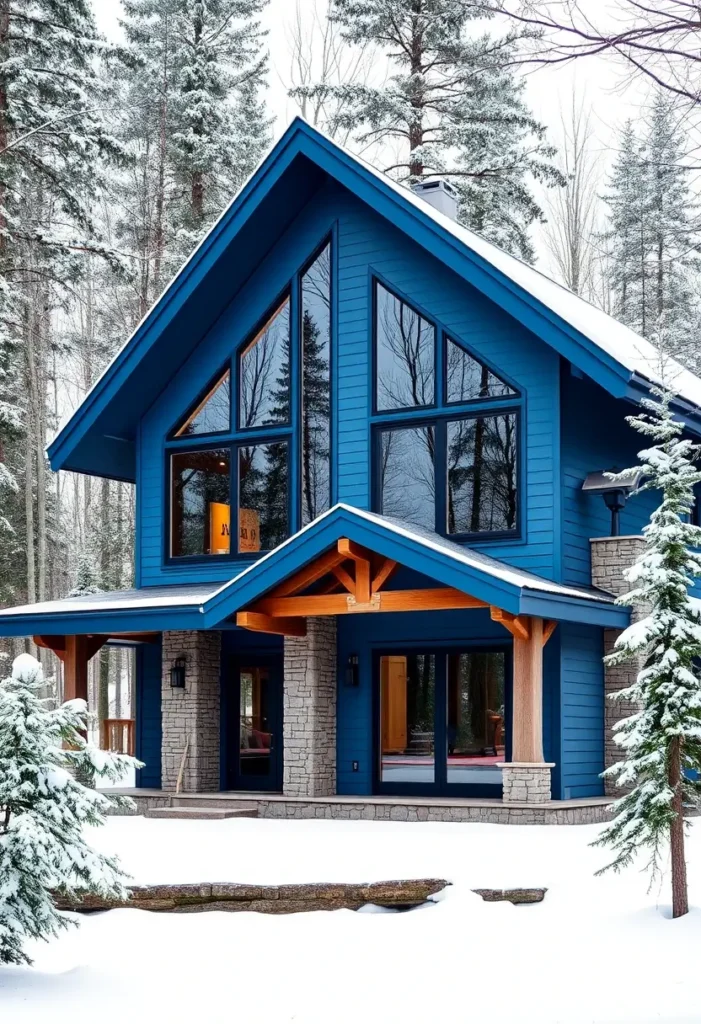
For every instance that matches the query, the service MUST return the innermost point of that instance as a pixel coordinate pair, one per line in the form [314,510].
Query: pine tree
[86,579]
[661,742]
[43,810]
[653,235]
[194,72]
[453,107]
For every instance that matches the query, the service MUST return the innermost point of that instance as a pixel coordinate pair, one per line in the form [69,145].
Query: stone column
[309,709]
[526,783]
[190,716]
[610,557]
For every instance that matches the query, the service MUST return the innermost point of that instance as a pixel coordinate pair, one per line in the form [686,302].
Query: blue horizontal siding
[582,711]
[595,436]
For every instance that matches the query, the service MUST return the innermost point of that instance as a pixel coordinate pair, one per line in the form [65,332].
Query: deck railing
[117,735]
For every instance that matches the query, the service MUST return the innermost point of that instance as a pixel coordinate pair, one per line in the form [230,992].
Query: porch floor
[586,810]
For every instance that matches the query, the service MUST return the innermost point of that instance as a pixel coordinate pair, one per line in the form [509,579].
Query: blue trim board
[265,206]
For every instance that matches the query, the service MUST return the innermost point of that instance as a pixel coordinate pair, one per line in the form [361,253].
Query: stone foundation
[190,716]
[610,557]
[309,711]
[526,783]
[493,812]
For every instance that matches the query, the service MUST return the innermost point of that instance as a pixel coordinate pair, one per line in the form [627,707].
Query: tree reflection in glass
[264,373]
[405,354]
[263,493]
[316,406]
[407,474]
[482,474]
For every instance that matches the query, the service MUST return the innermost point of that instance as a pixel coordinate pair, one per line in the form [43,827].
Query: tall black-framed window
[448,461]
[250,462]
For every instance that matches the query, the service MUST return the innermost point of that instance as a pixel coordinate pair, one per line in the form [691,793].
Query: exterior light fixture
[177,674]
[614,492]
[352,675]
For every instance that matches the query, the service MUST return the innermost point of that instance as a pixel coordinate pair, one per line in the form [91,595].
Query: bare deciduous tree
[572,210]
[657,39]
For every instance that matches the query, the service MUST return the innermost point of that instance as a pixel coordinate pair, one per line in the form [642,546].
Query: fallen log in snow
[286,899]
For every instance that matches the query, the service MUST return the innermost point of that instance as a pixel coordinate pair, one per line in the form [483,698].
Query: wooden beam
[75,668]
[260,623]
[388,601]
[517,625]
[309,574]
[57,644]
[363,568]
[383,574]
[548,630]
[527,727]
[344,578]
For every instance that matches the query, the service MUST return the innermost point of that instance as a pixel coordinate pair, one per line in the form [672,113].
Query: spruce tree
[44,809]
[194,73]
[661,742]
[453,106]
[653,235]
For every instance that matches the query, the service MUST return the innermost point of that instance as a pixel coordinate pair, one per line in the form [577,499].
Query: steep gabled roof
[99,436]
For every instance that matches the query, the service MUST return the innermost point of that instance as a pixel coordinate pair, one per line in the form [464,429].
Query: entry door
[442,721]
[255,724]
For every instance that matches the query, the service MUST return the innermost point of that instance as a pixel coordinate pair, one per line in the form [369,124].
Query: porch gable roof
[494,582]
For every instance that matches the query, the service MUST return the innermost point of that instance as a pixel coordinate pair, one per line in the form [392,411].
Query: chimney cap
[439,194]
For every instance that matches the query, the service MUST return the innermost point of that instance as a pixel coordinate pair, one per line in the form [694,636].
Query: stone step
[224,803]
[201,813]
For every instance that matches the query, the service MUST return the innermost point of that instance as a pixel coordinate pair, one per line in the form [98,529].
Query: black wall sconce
[177,674]
[614,492]
[352,674]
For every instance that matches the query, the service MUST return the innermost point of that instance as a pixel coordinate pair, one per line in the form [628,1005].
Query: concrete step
[224,803]
[201,813]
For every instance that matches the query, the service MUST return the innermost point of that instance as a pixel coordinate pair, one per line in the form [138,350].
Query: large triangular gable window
[212,413]
[469,380]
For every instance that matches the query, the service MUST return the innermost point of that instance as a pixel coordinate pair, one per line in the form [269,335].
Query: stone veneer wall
[610,557]
[192,712]
[309,711]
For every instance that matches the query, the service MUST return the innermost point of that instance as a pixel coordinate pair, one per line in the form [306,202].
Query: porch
[280,684]
[584,811]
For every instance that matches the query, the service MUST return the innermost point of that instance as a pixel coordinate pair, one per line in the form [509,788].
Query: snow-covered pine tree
[86,577]
[661,743]
[43,810]
[654,236]
[193,78]
[54,148]
[453,107]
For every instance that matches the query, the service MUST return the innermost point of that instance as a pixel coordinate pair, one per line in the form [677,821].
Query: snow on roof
[194,594]
[618,341]
[426,538]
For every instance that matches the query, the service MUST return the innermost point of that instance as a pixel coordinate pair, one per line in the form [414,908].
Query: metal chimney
[441,195]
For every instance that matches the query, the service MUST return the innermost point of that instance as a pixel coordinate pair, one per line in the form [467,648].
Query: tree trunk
[680,894]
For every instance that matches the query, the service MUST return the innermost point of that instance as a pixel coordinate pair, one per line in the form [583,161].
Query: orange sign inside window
[220,529]
[249,530]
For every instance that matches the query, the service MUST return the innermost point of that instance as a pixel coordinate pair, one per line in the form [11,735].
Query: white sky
[599,83]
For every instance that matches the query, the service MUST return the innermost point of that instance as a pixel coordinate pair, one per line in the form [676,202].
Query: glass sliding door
[475,717]
[442,721]
[407,728]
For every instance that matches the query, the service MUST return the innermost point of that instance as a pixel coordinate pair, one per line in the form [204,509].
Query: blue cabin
[367,569]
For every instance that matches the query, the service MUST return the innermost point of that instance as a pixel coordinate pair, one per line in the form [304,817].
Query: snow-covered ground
[597,949]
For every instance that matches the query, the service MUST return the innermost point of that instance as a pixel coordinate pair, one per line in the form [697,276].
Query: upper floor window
[449,460]
[268,472]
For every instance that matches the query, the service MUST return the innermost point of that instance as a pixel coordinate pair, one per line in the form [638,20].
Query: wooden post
[75,668]
[527,732]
